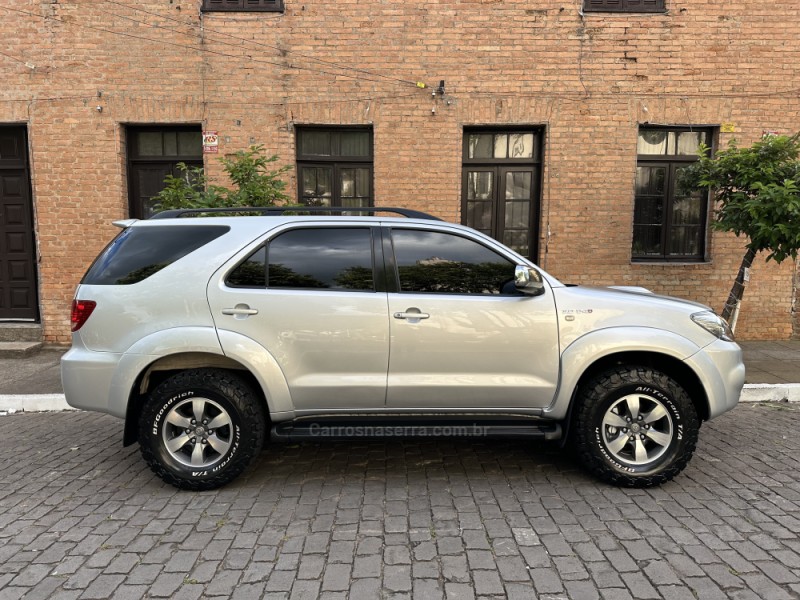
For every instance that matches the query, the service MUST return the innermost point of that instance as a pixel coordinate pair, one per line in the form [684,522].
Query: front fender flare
[581,354]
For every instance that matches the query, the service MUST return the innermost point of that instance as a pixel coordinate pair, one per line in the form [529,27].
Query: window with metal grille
[243,5]
[633,6]
[669,223]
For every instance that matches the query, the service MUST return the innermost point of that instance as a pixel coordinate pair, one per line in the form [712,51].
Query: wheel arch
[596,352]
[669,365]
[166,366]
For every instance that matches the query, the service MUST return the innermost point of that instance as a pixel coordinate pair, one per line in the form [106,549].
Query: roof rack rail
[279,210]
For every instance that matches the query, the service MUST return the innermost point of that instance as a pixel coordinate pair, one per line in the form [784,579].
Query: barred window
[631,6]
[243,5]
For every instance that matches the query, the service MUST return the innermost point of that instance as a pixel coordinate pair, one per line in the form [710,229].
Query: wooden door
[18,285]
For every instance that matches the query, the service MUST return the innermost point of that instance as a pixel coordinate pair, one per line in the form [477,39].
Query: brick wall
[589,81]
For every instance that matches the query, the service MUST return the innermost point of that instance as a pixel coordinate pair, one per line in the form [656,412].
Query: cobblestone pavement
[82,517]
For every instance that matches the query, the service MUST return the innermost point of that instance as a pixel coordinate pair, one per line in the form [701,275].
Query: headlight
[713,324]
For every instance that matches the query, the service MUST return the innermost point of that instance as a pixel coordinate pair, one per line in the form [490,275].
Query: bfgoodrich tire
[201,428]
[635,427]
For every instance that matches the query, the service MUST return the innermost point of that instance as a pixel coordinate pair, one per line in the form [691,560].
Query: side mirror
[528,281]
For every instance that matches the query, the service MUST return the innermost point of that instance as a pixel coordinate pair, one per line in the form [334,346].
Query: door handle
[410,314]
[240,310]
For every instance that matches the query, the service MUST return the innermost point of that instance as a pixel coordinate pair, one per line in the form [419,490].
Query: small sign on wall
[210,142]
[728,127]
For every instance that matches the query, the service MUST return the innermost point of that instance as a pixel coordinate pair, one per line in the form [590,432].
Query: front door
[462,336]
[18,292]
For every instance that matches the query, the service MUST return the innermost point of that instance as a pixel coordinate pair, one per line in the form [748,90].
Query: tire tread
[596,390]
[238,393]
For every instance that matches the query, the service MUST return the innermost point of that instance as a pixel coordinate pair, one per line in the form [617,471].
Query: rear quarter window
[139,252]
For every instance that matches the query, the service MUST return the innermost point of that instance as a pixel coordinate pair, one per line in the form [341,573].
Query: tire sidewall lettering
[237,435]
[674,413]
[243,436]
[183,470]
[662,397]
[165,408]
[598,439]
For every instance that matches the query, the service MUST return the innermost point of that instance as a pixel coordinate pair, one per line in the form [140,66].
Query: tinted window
[337,259]
[139,252]
[431,261]
[252,272]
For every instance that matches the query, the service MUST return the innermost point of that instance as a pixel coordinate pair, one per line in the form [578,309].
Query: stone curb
[767,392]
[32,403]
[753,392]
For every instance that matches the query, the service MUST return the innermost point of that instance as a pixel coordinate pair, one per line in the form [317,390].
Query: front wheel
[201,428]
[635,427]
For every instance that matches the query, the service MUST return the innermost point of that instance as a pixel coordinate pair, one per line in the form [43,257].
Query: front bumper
[721,371]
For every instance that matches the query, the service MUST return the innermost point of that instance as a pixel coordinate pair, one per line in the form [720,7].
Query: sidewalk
[772,362]
[33,383]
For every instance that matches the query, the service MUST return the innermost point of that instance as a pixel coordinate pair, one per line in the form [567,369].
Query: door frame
[133,160]
[335,161]
[498,166]
[23,164]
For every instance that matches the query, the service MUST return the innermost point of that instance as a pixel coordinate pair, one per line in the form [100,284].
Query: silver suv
[211,335]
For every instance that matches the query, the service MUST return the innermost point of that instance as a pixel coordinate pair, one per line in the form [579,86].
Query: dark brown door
[18,296]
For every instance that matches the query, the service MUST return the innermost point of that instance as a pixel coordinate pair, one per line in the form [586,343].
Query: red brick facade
[77,72]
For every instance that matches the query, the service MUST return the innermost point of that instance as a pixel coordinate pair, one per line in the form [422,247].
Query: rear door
[312,297]
[462,337]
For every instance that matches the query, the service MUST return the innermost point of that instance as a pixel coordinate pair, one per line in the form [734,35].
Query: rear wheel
[635,427]
[201,428]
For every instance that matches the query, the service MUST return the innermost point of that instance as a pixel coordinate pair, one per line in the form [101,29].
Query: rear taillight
[81,310]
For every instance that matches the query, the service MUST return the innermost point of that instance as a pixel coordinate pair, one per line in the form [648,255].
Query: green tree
[758,193]
[255,184]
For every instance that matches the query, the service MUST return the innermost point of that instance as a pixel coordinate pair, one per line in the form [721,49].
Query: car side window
[310,258]
[252,273]
[443,263]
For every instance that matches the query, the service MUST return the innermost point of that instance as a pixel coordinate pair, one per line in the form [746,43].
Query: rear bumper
[87,378]
[101,381]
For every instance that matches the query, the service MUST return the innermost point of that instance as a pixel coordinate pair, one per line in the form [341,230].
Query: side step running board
[347,430]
